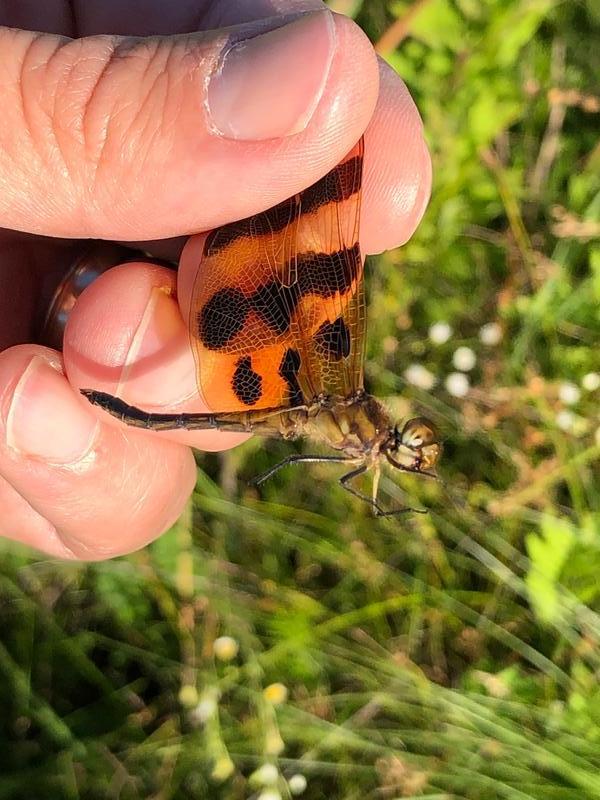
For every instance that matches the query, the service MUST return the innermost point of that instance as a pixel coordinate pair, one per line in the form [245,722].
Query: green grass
[448,655]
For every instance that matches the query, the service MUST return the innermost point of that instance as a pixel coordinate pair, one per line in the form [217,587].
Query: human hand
[126,139]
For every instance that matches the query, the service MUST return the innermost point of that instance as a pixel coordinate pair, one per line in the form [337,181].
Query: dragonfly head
[415,447]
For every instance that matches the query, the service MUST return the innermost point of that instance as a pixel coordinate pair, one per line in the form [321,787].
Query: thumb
[125,138]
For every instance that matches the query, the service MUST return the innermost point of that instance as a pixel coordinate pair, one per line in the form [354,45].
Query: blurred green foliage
[448,655]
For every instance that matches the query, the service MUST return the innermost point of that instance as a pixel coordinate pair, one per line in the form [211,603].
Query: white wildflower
[275,693]
[206,707]
[297,784]
[490,334]
[457,384]
[440,332]
[569,393]
[419,376]
[565,420]
[464,359]
[225,648]
[591,381]
[266,774]
[269,794]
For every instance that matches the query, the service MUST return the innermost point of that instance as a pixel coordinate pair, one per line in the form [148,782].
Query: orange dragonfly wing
[278,310]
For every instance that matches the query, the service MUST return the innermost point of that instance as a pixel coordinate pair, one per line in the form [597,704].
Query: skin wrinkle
[82,551]
[45,137]
[168,121]
[102,133]
[187,50]
[148,105]
[55,115]
[167,117]
[139,501]
[39,528]
[22,95]
[75,508]
[138,158]
[76,75]
[120,50]
[68,552]
[79,506]
[161,517]
[47,143]
[16,167]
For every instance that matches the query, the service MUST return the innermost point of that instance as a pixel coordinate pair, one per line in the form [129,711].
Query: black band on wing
[333,340]
[320,274]
[341,183]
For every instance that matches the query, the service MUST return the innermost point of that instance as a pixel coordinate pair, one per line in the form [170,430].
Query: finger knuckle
[92,110]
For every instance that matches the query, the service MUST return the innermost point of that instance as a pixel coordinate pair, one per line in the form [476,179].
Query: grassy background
[448,655]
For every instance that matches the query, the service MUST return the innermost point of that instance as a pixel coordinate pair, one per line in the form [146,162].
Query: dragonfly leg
[344,481]
[296,458]
[377,510]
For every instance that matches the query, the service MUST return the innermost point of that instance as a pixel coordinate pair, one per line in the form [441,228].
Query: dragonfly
[278,326]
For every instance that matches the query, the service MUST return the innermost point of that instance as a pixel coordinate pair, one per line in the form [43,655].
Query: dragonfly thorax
[357,427]
[362,429]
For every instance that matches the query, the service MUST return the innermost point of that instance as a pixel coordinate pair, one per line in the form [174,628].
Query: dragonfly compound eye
[419,433]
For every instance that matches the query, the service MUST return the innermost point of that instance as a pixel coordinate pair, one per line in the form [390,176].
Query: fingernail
[46,419]
[270,86]
[161,341]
